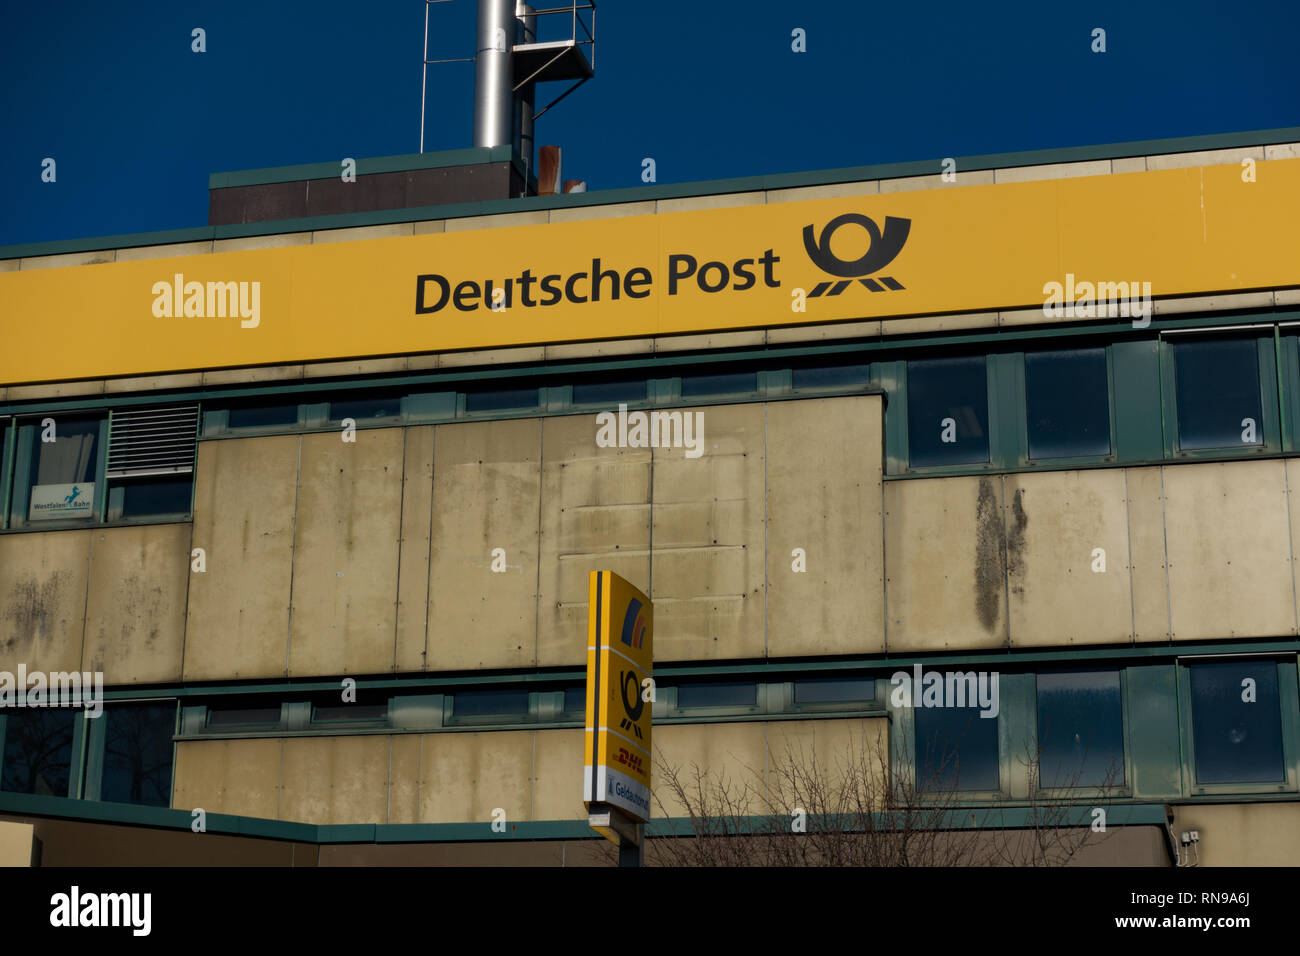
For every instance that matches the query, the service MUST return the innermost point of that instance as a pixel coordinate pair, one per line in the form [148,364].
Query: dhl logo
[630,760]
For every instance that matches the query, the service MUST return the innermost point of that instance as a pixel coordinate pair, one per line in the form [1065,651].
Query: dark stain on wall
[1016,568]
[32,607]
[990,566]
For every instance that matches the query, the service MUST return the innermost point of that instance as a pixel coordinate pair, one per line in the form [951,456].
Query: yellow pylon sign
[620,657]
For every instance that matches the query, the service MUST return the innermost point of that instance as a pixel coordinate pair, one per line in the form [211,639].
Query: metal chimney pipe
[493,78]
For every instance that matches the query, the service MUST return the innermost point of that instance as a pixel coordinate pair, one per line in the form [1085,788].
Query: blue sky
[136,121]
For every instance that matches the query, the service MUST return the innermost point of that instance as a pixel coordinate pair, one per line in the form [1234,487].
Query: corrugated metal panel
[152,441]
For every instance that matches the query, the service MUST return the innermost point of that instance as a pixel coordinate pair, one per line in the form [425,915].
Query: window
[138,753]
[260,416]
[736,383]
[831,376]
[150,497]
[956,749]
[833,690]
[609,393]
[1080,729]
[1236,722]
[335,713]
[1218,394]
[384,406]
[243,716]
[1067,394]
[575,701]
[947,411]
[38,750]
[501,399]
[58,471]
[729,694]
[504,704]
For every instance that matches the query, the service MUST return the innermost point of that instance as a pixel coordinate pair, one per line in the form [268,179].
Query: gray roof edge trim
[630,194]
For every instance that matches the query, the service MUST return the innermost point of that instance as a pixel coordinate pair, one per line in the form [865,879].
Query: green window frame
[1015,380]
[20,478]
[1127,762]
[1288,705]
[1270,431]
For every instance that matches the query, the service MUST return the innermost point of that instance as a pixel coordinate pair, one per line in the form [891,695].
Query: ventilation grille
[153,441]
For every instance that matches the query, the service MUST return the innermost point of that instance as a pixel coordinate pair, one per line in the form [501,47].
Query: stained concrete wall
[110,600]
[465,777]
[325,558]
[1187,552]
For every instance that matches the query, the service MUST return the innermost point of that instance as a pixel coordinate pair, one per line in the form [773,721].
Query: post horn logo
[632,706]
[881,252]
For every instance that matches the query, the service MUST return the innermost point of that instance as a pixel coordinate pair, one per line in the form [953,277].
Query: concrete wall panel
[595,517]
[1230,572]
[237,624]
[335,779]
[844,753]
[731,754]
[1054,522]
[945,564]
[824,466]
[345,554]
[1146,531]
[135,611]
[228,776]
[487,485]
[468,775]
[1243,834]
[404,771]
[557,775]
[413,563]
[708,563]
[43,599]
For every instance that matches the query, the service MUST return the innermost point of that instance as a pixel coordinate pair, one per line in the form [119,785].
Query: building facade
[317,498]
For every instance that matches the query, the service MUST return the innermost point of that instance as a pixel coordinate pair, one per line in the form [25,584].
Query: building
[908,452]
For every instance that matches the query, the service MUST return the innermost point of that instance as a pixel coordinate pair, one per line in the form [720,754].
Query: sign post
[620,658]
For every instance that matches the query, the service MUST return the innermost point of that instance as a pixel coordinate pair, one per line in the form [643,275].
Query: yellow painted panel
[945,564]
[732,753]
[240,777]
[404,778]
[707,575]
[238,616]
[970,248]
[1243,834]
[466,776]
[557,775]
[824,466]
[843,754]
[1056,524]
[43,599]
[486,487]
[1146,531]
[595,516]
[1230,572]
[135,611]
[345,553]
[16,843]
[335,779]
[413,563]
